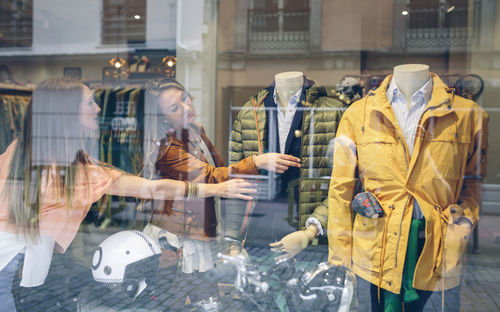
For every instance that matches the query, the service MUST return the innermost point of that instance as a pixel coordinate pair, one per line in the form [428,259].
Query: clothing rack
[120,137]
[14,101]
[12,89]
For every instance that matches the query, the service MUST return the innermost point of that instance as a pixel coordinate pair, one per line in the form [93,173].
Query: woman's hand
[235,188]
[276,162]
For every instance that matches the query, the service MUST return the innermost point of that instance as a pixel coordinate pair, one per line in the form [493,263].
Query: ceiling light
[169,62]
[118,62]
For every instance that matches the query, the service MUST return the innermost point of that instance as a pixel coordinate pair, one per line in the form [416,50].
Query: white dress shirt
[285,117]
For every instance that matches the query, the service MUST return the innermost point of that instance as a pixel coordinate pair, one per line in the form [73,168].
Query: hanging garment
[12,112]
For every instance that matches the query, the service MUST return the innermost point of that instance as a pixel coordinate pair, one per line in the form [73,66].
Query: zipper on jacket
[406,158]
[435,107]
[408,198]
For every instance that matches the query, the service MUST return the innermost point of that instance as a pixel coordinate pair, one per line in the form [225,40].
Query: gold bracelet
[190,190]
[196,189]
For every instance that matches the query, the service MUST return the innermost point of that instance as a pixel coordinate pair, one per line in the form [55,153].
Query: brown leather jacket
[184,160]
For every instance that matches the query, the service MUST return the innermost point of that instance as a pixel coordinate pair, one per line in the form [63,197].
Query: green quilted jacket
[319,126]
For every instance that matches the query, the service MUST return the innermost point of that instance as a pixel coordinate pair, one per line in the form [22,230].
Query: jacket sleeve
[178,164]
[475,171]
[321,211]
[342,186]
[236,144]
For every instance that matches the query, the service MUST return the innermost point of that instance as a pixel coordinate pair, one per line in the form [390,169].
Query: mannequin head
[406,71]
[410,77]
[288,83]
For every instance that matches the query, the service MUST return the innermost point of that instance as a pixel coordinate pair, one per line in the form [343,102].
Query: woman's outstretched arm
[133,186]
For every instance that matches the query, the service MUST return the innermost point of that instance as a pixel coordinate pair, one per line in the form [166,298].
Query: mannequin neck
[287,84]
[409,78]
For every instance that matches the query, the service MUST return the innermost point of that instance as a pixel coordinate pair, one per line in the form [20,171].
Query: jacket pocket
[447,154]
[367,242]
[374,155]
[455,242]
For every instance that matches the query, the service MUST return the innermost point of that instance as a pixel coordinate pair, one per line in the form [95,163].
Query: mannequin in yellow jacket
[440,180]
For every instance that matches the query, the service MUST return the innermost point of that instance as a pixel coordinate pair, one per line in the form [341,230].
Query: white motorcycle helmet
[130,258]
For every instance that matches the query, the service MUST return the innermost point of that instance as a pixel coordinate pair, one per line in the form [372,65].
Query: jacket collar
[421,96]
[441,102]
[311,88]
[438,97]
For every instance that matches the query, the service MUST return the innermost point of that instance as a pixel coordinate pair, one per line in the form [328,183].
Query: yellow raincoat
[445,170]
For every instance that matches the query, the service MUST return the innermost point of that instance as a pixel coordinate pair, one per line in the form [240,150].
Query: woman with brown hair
[177,148]
[48,182]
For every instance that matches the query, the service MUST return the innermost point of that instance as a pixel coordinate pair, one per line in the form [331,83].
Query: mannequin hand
[456,212]
[455,244]
[236,251]
[276,162]
[235,188]
[153,232]
[293,243]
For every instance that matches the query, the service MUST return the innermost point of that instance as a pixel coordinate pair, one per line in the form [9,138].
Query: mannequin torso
[409,78]
[287,84]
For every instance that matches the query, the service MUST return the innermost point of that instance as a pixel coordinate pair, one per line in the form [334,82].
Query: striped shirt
[285,117]
[409,120]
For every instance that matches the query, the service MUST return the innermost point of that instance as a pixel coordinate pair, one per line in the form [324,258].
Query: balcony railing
[278,32]
[442,28]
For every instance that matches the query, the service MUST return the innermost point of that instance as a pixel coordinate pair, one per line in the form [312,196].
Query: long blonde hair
[52,138]
[154,120]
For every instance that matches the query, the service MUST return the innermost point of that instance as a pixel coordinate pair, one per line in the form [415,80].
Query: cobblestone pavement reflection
[70,279]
